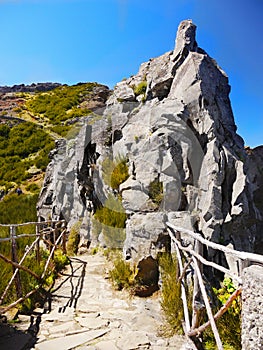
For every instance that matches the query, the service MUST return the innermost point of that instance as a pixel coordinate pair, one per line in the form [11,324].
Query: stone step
[70,341]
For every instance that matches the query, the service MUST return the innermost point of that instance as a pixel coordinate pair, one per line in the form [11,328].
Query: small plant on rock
[115,172]
[156,191]
[122,274]
[141,88]
[73,239]
[60,260]
[111,221]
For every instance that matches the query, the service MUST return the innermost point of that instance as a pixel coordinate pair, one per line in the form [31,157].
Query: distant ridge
[39,87]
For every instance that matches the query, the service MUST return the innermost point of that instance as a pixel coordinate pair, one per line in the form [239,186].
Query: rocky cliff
[171,125]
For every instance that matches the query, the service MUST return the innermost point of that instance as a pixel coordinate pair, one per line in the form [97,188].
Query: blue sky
[69,41]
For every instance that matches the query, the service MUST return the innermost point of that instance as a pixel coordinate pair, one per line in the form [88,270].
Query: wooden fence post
[37,245]
[207,305]
[183,291]
[197,305]
[64,241]
[15,259]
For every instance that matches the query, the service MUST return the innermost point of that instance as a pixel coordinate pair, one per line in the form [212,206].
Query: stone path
[86,313]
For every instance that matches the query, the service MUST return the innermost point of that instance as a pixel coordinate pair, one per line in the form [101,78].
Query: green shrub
[156,191]
[229,325]
[94,250]
[111,221]
[61,130]
[61,103]
[18,143]
[140,88]
[73,239]
[16,209]
[122,274]
[29,282]
[115,172]
[60,260]
[33,188]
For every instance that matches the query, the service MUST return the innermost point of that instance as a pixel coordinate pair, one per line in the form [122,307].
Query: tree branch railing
[197,260]
[52,234]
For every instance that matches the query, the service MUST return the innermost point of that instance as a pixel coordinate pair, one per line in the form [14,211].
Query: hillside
[31,119]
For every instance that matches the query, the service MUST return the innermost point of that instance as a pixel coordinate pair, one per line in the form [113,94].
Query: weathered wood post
[179,239]
[37,244]
[64,239]
[197,305]
[14,258]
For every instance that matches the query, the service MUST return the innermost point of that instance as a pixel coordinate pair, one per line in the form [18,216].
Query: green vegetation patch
[156,191]
[61,103]
[111,221]
[115,172]
[122,274]
[16,209]
[141,88]
[171,294]
[74,239]
[229,325]
[21,147]
[19,209]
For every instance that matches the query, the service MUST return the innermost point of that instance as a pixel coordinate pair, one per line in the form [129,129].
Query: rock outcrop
[174,124]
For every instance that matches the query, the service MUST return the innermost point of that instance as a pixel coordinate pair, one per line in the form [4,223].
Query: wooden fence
[50,234]
[191,253]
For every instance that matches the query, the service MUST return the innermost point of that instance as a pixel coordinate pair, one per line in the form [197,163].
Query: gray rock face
[69,187]
[252,315]
[174,123]
[254,168]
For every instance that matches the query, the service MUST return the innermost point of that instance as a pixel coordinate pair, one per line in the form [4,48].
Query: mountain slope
[31,119]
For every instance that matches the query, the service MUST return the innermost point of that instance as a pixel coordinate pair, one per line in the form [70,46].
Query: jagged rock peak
[174,124]
[185,37]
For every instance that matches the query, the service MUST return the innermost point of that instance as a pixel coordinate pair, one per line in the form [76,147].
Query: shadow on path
[61,296]
[13,339]
[76,279]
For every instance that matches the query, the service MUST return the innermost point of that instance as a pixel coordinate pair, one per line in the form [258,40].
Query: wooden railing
[49,234]
[191,253]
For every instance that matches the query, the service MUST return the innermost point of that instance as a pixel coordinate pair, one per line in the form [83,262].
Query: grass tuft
[73,239]
[171,294]
[123,273]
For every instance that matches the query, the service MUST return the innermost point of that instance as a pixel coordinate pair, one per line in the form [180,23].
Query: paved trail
[86,313]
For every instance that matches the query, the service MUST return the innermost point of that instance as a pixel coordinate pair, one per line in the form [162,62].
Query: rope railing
[234,253]
[193,254]
[52,234]
[38,223]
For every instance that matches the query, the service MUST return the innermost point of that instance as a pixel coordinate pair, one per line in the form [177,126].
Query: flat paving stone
[70,341]
[106,345]
[92,323]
